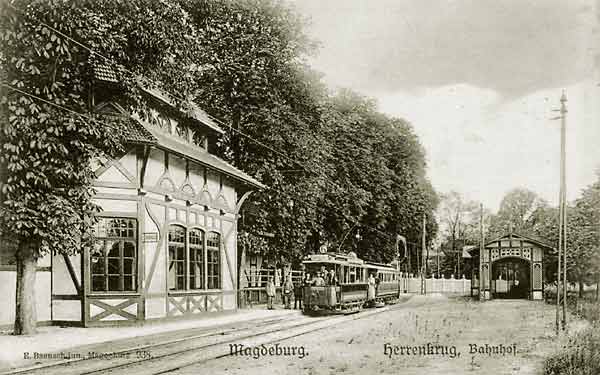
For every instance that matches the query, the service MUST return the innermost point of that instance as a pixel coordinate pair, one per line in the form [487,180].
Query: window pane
[213,239]
[196,275]
[129,250]
[98,283]
[98,266]
[196,237]
[114,266]
[176,234]
[114,283]
[128,266]
[115,227]
[129,282]
[113,249]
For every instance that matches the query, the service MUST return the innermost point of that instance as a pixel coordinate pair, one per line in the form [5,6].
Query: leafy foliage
[343,164]
[357,168]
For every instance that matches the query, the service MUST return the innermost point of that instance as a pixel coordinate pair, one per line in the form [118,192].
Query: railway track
[181,352]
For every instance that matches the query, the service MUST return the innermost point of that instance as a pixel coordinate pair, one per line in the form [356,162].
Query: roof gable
[516,236]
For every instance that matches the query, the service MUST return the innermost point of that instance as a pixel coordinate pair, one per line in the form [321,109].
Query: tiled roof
[137,132]
[193,110]
[134,132]
[202,157]
[104,72]
[131,130]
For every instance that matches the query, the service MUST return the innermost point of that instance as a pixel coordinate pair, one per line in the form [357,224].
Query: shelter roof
[516,236]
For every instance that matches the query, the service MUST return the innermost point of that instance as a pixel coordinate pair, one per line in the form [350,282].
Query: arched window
[213,245]
[177,258]
[194,259]
[113,261]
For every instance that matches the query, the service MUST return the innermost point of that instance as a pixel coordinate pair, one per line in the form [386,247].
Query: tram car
[351,291]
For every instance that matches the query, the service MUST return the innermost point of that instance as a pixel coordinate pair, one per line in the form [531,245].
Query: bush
[581,355]
[590,311]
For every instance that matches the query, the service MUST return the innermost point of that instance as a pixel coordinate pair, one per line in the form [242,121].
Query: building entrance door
[510,278]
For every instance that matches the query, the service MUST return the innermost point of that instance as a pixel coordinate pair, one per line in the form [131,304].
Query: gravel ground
[56,339]
[359,347]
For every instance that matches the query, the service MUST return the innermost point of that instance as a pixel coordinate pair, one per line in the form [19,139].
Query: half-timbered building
[165,241]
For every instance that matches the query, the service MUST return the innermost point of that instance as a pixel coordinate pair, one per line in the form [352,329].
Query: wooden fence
[413,284]
[254,291]
[255,282]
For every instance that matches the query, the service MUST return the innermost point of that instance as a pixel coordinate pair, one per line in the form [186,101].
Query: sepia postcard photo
[309,187]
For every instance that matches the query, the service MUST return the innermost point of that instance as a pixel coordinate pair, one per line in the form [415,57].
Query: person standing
[332,278]
[288,289]
[298,294]
[319,280]
[371,289]
[270,289]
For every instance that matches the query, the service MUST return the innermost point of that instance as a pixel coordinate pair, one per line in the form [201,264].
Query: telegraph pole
[481,245]
[563,165]
[423,264]
[562,220]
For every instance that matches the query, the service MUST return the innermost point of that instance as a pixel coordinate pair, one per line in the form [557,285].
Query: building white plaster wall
[112,174]
[155,278]
[155,167]
[177,170]
[228,259]
[108,190]
[66,310]
[197,176]
[61,279]
[117,205]
[213,183]
[129,162]
[155,307]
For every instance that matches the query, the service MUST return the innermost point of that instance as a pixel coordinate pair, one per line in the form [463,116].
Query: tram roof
[380,266]
[337,258]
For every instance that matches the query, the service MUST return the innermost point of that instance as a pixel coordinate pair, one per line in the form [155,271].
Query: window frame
[205,249]
[121,241]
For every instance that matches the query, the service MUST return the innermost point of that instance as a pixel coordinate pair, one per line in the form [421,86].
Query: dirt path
[370,346]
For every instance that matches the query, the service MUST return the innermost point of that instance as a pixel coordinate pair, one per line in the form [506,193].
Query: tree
[259,83]
[521,210]
[330,161]
[583,237]
[459,217]
[49,141]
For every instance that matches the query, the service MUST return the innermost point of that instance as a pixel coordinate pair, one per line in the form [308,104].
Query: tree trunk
[580,289]
[25,314]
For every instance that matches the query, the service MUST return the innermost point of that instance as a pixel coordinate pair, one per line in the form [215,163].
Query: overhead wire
[262,144]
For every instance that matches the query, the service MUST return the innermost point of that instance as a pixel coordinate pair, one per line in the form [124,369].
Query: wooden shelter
[511,266]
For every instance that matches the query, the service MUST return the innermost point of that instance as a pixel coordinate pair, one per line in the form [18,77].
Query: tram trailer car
[350,294]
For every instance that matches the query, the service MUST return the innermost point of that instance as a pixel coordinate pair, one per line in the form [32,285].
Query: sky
[478,80]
